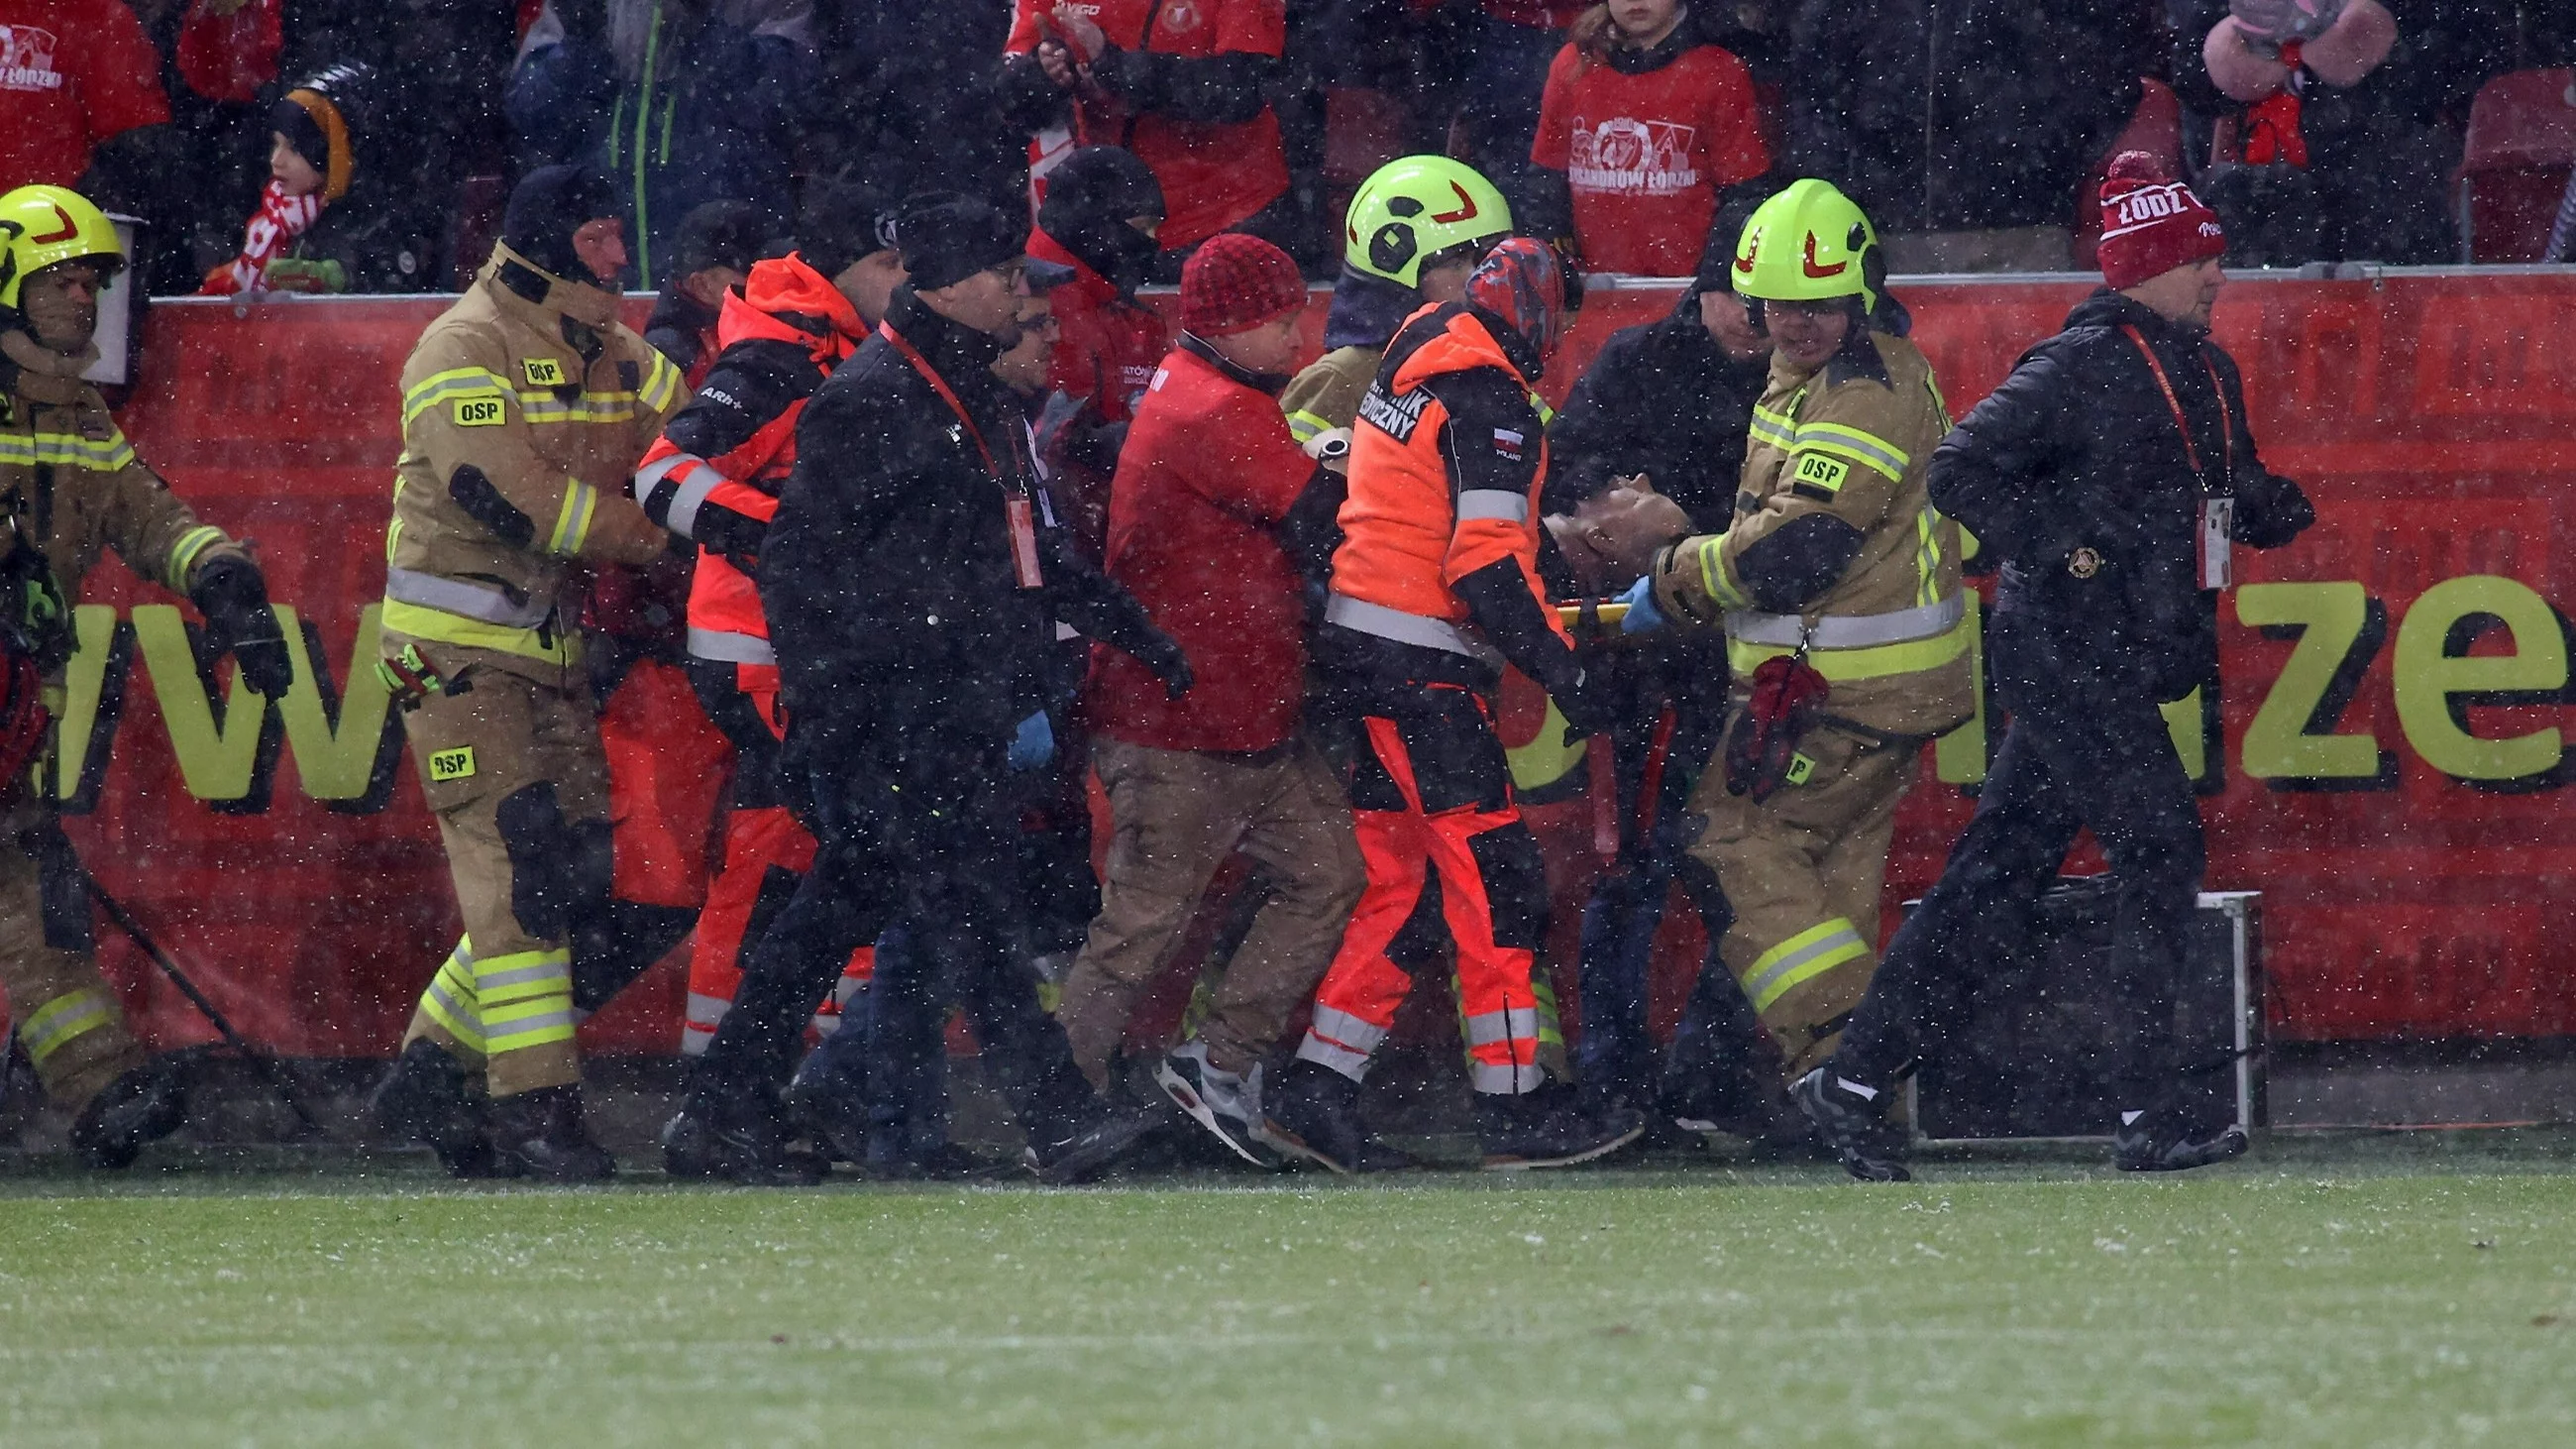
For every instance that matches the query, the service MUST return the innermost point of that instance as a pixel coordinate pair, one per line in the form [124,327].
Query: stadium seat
[2155,128]
[2521,145]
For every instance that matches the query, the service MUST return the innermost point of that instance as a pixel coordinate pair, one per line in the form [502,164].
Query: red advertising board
[2386,762]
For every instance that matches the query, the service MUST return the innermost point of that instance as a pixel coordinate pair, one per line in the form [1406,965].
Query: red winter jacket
[1208,473]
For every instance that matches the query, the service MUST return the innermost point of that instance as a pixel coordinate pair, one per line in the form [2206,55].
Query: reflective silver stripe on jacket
[472,601]
[698,478]
[1500,503]
[727,648]
[1849,631]
[1404,628]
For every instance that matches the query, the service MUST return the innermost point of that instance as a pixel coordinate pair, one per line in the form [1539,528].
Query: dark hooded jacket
[887,574]
[2076,476]
[1662,399]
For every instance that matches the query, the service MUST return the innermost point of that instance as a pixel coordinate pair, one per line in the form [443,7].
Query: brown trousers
[1803,871]
[66,1016]
[503,998]
[1175,816]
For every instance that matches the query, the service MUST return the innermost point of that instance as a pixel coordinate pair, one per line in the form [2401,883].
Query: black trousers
[929,837]
[2081,751]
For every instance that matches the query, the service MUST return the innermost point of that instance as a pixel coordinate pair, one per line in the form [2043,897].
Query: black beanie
[1717,255]
[1088,200]
[720,234]
[550,204]
[947,238]
[842,222]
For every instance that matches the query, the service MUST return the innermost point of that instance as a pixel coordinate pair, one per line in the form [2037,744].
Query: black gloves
[234,599]
[1158,653]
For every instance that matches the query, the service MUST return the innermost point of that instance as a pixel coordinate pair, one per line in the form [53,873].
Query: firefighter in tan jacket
[72,487]
[1837,559]
[525,409]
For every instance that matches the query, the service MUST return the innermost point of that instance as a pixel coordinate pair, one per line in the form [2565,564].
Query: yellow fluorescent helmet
[42,226]
[1809,243]
[1419,206]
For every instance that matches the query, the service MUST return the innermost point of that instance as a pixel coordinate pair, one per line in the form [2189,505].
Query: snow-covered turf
[2340,1291]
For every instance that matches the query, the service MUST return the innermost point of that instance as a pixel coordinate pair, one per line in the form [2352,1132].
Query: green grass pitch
[2339,1291]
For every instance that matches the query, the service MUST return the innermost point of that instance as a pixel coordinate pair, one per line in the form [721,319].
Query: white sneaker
[1225,1103]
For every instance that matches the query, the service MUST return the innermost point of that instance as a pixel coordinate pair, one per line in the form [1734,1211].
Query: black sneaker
[541,1134]
[142,1105]
[1548,1128]
[736,1136]
[1227,1104]
[425,1099]
[2162,1142]
[1084,1155]
[1851,1117]
[1313,1112]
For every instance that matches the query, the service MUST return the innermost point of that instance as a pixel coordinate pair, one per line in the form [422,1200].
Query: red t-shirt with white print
[72,74]
[1213,175]
[1646,155]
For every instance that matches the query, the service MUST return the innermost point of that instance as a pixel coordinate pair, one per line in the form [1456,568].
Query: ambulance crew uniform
[525,409]
[1434,588]
[72,486]
[714,477]
[2112,473]
[1837,556]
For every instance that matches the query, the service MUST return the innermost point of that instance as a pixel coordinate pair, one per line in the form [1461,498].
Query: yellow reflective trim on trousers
[1856,445]
[422,622]
[522,976]
[67,450]
[51,1026]
[572,522]
[1844,666]
[1800,959]
[1305,427]
[524,1024]
[183,555]
[450,999]
[438,387]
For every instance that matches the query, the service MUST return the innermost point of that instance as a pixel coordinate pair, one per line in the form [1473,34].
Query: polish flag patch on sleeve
[1507,444]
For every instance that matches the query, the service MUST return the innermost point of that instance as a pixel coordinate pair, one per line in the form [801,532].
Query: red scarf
[280,219]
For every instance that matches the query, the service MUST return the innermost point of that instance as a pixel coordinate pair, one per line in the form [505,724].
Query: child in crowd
[1645,122]
[312,232]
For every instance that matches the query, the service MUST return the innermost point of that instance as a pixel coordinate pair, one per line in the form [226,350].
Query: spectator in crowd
[1659,422]
[711,256]
[1180,85]
[686,101]
[326,221]
[911,88]
[1095,239]
[1964,128]
[1510,46]
[85,107]
[2335,124]
[1646,124]
[910,600]
[1210,493]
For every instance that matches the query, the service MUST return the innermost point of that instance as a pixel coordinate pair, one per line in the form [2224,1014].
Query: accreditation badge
[2217,522]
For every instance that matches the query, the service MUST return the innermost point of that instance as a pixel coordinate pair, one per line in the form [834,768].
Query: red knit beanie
[2151,223]
[1234,283]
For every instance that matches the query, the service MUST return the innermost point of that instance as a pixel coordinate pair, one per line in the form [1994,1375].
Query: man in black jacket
[912,600]
[1670,400]
[2111,473]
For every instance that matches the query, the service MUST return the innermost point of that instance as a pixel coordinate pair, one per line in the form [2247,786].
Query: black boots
[145,1104]
[1851,1117]
[739,1135]
[2167,1141]
[425,1098]
[541,1134]
[1550,1128]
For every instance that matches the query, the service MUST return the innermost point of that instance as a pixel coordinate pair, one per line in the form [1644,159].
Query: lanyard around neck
[2226,417]
[940,386]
